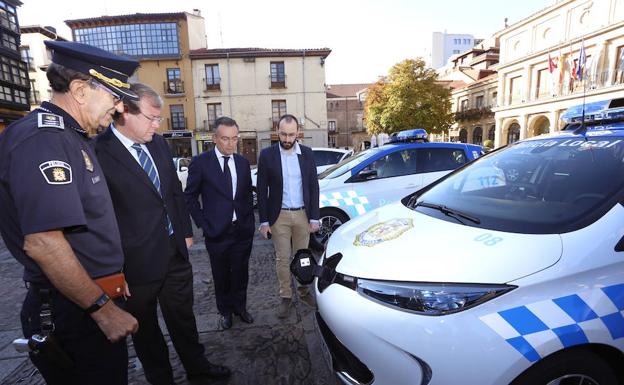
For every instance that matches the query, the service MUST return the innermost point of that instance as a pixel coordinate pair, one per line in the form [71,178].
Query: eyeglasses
[226,139]
[153,119]
[116,99]
[285,135]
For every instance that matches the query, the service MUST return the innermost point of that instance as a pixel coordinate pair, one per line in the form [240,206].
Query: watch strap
[97,305]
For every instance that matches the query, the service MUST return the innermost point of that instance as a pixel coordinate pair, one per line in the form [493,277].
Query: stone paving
[268,352]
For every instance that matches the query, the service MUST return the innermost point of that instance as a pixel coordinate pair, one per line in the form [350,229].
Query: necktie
[228,175]
[148,166]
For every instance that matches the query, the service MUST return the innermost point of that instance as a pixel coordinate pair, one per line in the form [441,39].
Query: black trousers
[97,361]
[229,261]
[175,295]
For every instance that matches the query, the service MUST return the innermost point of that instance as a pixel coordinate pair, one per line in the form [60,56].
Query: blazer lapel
[161,165]
[121,154]
[278,167]
[217,171]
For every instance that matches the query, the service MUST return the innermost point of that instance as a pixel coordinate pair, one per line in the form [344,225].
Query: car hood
[396,243]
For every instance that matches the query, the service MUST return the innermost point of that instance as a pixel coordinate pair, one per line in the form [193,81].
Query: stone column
[498,136]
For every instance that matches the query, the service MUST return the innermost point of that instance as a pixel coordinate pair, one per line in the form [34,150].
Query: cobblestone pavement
[268,352]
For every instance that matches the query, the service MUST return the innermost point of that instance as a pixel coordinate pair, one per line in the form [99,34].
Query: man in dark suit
[155,232]
[223,179]
[288,202]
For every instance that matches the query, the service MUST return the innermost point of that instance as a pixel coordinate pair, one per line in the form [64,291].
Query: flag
[551,64]
[581,62]
[561,63]
[571,67]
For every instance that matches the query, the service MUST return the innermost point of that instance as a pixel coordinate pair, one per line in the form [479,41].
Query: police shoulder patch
[46,119]
[56,172]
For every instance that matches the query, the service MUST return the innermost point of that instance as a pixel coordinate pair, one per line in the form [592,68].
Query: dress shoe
[208,373]
[284,308]
[225,321]
[246,317]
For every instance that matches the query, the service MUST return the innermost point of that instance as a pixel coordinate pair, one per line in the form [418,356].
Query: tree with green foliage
[409,97]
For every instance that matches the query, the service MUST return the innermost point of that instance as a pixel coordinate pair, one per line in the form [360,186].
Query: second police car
[509,270]
[381,175]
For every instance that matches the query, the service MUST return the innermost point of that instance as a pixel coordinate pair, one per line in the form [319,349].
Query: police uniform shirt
[50,179]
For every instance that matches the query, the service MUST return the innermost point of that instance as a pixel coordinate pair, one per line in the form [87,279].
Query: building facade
[162,43]
[346,126]
[37,57]
[444,45]
[14,80]
[256,86]
[533,91]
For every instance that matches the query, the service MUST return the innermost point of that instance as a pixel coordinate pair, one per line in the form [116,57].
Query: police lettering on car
[57,220]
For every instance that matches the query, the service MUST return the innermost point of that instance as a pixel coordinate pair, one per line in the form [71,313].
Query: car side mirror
[304,267]
[183,169]
[366,175]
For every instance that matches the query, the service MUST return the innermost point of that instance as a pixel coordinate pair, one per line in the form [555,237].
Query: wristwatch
[97,305]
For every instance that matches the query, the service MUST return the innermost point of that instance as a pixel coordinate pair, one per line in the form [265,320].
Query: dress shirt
[128,145]
[232,167]
[292,184]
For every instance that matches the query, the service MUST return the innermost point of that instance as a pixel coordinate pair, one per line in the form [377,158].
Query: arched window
[514,133]
[477,136]
[463,135]
[542,126]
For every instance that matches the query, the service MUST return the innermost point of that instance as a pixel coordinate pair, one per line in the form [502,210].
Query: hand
[265,230]
[189,242]
[115,323]
[314,227]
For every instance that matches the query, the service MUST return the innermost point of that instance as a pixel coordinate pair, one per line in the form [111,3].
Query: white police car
[508,270]
[381,175]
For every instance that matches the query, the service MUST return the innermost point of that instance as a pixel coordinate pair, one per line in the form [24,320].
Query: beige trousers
[289,233]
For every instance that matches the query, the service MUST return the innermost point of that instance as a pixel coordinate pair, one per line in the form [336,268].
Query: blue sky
[367,37]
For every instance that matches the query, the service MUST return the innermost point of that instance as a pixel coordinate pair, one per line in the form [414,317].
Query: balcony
[214,85]
[207,126]
[278,81]
[473,114]
[173,87]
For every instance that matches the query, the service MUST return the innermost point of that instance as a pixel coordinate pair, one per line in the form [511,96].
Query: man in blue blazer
[288,202]
[223,179]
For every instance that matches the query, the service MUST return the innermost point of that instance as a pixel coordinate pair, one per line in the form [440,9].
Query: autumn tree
[409,97]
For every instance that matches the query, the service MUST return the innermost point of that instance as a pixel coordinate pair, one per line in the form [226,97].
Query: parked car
[325,157]
[181,165]
[381,175]
[509,270]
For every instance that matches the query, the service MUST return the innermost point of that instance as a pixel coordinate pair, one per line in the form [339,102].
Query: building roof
[45,31]
[249,52]
[125,19]
[345,90]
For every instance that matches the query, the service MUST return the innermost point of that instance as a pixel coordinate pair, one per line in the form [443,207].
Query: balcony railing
[173,87]
[214,85]
[278,81]
[207,126]
[473,113]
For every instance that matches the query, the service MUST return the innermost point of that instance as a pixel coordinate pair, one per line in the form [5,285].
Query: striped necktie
[148,167]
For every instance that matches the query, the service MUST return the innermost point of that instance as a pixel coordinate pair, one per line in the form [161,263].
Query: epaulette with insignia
[47,119]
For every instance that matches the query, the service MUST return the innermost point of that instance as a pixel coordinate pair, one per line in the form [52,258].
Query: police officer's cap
[107,68]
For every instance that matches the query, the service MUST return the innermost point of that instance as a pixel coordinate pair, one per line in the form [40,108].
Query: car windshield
[325,157]
[348,163]
[543,186]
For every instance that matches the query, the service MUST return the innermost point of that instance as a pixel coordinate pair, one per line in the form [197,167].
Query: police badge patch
[56,172]
[384,231]
[50,120]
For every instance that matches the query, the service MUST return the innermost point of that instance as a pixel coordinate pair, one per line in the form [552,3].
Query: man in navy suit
[155,232]
[288,202]
[223,179]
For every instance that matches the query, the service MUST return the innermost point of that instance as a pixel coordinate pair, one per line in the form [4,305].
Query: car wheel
[330,220]
[254,197]
[569,367]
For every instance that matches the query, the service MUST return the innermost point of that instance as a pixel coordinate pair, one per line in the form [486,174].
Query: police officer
[57,219]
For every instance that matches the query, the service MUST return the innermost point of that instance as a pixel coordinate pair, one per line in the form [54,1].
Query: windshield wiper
[448,211]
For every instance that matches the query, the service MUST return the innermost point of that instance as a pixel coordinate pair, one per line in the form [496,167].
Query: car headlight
[428,298]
